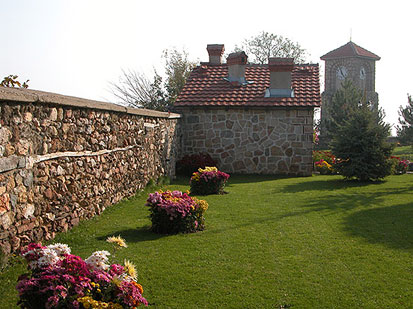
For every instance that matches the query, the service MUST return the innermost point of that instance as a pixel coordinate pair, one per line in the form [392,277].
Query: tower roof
[350,50]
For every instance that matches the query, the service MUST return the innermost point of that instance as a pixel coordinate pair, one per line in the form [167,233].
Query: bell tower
[353,62]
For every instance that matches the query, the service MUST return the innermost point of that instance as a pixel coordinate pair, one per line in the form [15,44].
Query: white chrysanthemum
[47,257]
[98,260]
[60,249]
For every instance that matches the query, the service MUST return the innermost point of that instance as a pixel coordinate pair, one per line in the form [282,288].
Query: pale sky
[76,47]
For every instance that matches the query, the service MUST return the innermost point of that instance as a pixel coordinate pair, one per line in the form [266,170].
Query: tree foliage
[360,143]
[344,102]
[265,45]
[405,129]
[177,70]
[12,82]
[137,90]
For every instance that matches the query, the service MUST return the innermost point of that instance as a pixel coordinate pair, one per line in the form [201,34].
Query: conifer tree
[342,105]
[360,143]
[405,129]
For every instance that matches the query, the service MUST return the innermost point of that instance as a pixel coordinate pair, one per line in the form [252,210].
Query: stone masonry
[64,159]
[266,141]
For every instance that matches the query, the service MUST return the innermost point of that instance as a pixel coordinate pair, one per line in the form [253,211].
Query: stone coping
[33,96]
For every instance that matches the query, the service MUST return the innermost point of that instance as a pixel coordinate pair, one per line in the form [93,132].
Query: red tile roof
[350,50]
[206,87]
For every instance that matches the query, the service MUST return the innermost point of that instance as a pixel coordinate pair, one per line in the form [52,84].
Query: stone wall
[65,159]
[265,141]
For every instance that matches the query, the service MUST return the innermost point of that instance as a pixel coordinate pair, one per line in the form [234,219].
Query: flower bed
[176,212]
[325,155]
[59,279]
[208,181]
[399,166]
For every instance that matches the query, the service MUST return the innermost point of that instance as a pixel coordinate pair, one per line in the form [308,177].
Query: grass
[314,242]
[404,152]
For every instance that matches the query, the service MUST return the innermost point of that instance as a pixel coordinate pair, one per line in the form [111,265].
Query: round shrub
[174,212]
[191,163]
[208,181]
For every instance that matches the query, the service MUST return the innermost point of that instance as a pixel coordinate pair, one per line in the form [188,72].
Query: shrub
[59,279]
[208,181]
[176,212]
[399,166]
[191,163]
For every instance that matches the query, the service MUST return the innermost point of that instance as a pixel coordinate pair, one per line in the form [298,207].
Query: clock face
[362,73]
[342,72]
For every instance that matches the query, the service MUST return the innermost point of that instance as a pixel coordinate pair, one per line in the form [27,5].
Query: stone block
[9,163]
[227,134]
[238,166]
[303,113]
[276,151]
[192,119]
[5,135]
[219,126]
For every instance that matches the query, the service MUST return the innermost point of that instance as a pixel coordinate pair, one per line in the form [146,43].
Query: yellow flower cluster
[117,241]
[97,286]
[195,176]
[202,204]
[324,164]
[89,302]
[130,269]
[208,169]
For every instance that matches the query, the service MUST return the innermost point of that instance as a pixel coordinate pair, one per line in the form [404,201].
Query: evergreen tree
[360,143]
[405,130]
[344,102]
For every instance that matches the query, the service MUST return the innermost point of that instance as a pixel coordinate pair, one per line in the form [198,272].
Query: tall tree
[265,45]
[405,129]
[177,70]
[360,143]
[344,102]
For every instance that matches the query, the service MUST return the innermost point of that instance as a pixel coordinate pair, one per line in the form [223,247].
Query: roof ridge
[353,47]
[350,49]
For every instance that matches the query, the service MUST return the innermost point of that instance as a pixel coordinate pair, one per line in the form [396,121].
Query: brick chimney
[236,67]
[215,52]
[280,77]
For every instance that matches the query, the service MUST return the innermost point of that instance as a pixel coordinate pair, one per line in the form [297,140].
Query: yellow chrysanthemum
[117,241]
[130,269]
[89,302]
[208,169]
[195,176]
[202,204]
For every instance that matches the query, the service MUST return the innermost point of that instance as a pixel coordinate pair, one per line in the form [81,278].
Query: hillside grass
[271,242]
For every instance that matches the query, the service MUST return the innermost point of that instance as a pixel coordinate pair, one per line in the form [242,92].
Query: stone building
[252,118]
[353,62]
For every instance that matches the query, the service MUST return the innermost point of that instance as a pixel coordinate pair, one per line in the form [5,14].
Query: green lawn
[405,152]
[314,242]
